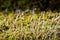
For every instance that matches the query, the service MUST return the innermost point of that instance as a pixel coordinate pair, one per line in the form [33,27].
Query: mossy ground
[41,26]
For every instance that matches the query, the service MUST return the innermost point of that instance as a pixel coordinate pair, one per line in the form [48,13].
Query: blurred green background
[11,5]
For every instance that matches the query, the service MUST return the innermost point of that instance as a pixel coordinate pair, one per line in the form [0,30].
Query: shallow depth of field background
[29,20]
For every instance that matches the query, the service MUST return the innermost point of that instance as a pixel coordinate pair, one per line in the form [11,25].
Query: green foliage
[35,17]
[28,20]
[10,37]
[28,26]
[6,27]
